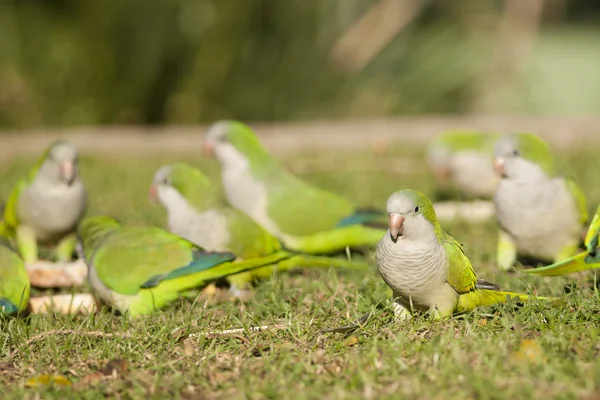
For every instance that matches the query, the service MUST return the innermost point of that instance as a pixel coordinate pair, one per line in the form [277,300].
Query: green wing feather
[461,275]
[302,209]
[14,281]
[132,256]
[580,200]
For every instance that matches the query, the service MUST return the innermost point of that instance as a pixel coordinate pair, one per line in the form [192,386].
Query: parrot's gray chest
[207,229]
[52,210]
[412,269]
[541,218]
[248,195]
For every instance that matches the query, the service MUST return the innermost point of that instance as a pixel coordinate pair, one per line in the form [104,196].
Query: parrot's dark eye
[516,153]
[167,181]
[417,209]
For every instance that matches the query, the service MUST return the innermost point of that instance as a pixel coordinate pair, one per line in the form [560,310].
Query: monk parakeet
[540,214]
[141,269]
[463,159]
[197,212]
[14,282]
[425,267]
[289,208]
[586,260]
[46,205]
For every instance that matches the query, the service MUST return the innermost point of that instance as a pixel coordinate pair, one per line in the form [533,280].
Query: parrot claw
[401,313]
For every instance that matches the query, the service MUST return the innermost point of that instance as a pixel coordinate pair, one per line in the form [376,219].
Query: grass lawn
[534,351]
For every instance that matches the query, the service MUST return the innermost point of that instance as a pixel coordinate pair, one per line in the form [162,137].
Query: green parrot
[141,269]
[14,282]
[196,212]
[46,205]
[540,214]
[305,218]
[586,260]
[425,267]
[463,159]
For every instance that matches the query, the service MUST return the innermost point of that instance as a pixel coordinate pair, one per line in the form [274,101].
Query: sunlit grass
[532,351]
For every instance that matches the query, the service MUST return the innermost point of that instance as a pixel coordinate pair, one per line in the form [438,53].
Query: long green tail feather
[580,262]
[480,298]
[335,240]
[229,268]
[307,261]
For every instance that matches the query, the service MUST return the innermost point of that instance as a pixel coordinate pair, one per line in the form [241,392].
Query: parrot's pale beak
[209,148]
[499,166]
[153,194]
[67,171]
[396,225]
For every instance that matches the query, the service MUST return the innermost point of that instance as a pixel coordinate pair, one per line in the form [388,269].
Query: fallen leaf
[189,348]
[42,380]
[116,367]
[530,351]
[482,322]
[351,341]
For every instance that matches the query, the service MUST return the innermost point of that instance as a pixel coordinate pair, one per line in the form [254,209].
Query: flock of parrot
[261,219]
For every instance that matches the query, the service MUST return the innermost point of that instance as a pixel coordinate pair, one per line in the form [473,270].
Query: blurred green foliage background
[74,62]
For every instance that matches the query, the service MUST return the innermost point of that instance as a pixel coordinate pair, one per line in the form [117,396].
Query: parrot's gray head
[60,163]
[217,143]
[509,160]
[161,189]
[411,216]
[235,145]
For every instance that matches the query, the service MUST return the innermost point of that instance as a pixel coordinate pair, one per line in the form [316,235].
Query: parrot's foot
[401,312]
[210,291]
[242,295]
[81,303]
[46,274]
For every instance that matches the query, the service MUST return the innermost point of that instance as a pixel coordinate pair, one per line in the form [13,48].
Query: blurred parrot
[540,214]
[463,160]
[197,213]
[425,267]
[287,207]
[46,205]
[586,260]
[142,269]
[14,281]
